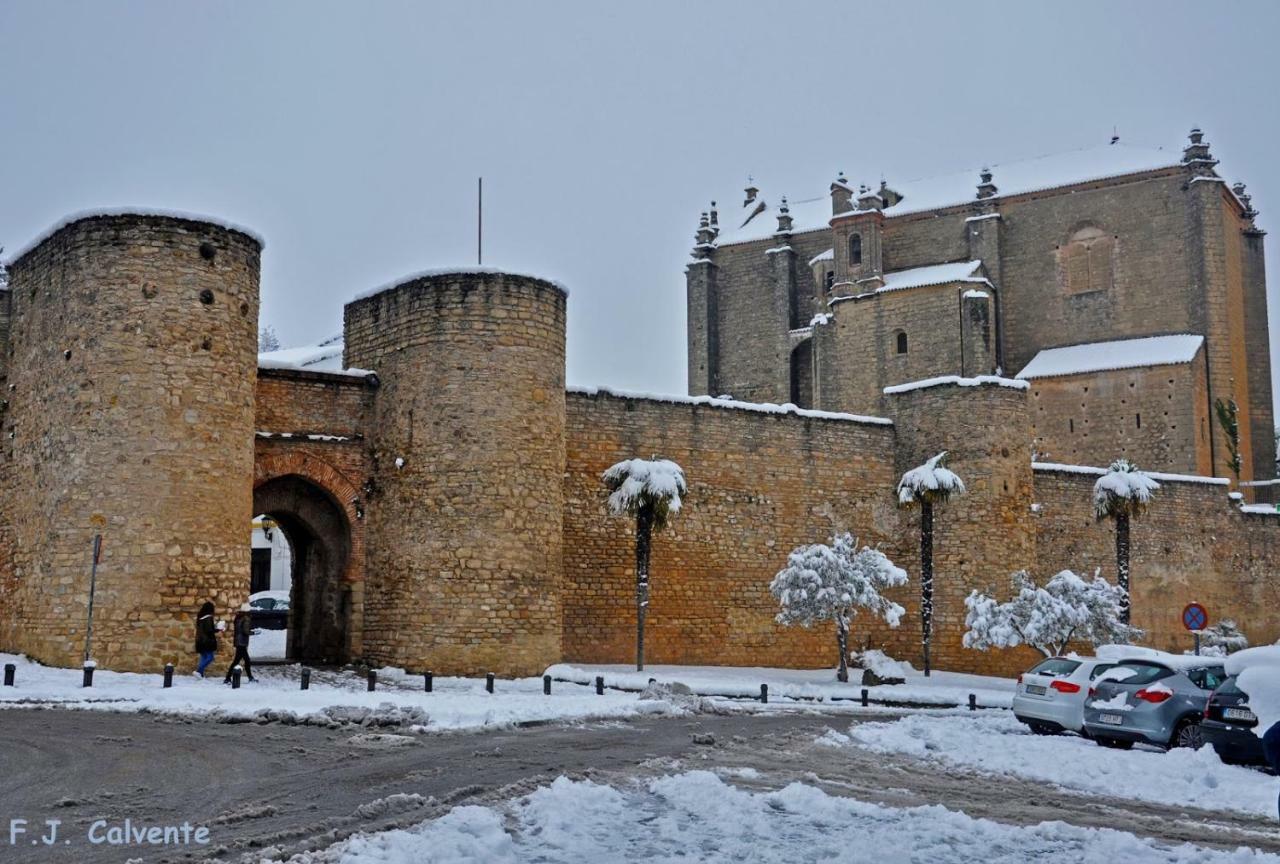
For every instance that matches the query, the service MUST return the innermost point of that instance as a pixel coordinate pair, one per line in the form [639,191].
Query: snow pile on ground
[335,698]
[942,689]
[997,743]
[1258,671]
[883,665]
[268,644]
[697,816]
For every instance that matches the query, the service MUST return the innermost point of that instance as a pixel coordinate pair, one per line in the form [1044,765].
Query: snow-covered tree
[268,340]
[831,582]
[926,485]
[1222,639]
[650,491]
[1066,608]
[1121,494]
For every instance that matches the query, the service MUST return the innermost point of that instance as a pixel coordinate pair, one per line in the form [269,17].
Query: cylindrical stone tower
[463,531]
[133,353]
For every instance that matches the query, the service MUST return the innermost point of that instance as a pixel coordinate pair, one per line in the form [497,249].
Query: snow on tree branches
[1048,618]
[639,483]
[1123,490]
[931,482]
[1222,639]
[830,582]
[927,485]
[649,490]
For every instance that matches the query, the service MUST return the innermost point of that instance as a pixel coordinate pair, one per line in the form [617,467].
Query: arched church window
[902,342]
[855,249]
[1087,261]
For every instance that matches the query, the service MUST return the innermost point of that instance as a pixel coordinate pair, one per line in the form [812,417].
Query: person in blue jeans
[206,637]
[1271,746]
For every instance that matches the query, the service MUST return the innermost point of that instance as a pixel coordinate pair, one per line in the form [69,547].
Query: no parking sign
[1195,617]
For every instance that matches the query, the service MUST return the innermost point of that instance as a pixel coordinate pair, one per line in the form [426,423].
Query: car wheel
[1041,729]
[1188,734]
[1114,743]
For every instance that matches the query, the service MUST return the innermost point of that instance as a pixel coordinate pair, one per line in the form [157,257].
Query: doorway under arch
[319,536]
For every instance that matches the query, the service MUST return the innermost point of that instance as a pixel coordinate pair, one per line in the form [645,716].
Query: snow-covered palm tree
[650,491]
[1121,494]
[926,485]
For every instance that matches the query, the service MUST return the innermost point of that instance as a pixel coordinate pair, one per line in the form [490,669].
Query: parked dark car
[1228,725]
[269,610]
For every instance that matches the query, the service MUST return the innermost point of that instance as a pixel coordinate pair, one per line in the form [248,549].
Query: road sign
[1195,617]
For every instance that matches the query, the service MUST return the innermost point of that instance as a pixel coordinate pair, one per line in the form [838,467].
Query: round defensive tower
[464,523]
[133,347]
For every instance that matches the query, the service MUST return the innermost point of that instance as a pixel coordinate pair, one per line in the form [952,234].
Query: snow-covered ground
[941,688]
[996,743]
[455,703]
[268,644]
[696,816]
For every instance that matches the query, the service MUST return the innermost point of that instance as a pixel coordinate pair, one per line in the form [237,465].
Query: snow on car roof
[1181,662]
[1119,354]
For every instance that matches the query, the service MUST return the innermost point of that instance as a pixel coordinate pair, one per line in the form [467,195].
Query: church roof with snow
[932,193]
[1106,356]
[919,277]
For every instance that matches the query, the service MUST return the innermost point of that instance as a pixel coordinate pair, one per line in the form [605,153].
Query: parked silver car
[1050,696]
[1153,701]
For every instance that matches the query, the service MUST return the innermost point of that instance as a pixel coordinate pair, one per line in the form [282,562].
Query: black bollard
[546,685]
[599,685]
[168,675]
[235,677]
[973,702]
[864,697]
[306,679]
[488,682]
[9,670]
[427,680]
[373,680]
[764,693]
[88,675]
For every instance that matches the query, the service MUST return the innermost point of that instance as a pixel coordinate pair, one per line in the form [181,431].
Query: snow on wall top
[1012,178]
[977,381]
[918,277]
[132,211]
[760,407]
[1094,471]
[1121,354]
[455,271]
[324,356]
[829,255]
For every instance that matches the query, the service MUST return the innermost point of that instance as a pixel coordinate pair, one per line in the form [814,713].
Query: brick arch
[277,460]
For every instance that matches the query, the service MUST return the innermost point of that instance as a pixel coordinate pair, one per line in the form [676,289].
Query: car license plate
[1238,714]
[1113,719]
[1035,689]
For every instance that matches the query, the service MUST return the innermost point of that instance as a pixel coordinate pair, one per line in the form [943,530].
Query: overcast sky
[350,135]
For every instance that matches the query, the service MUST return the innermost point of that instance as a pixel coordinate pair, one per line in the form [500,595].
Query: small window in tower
[855,249]
[831,279]
[902,342]
[1071,425]
[1139,418]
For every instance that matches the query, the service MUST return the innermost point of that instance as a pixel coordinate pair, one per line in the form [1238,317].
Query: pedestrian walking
[241,630]
[206,637]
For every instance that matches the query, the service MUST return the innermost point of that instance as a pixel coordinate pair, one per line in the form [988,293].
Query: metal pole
[479,221]
[93,585]
[1197,635]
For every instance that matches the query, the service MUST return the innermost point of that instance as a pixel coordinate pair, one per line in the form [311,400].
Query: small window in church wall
[831,279]
[902,342]
[1086,261]
[855,249]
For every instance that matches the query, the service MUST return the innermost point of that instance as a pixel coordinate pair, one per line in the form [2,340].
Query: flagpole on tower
[479,221]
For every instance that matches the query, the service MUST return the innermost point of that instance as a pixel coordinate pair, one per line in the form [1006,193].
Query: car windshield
[1229,688]
[1055,667]
[1208,678]
[1099,669]
[1143,673]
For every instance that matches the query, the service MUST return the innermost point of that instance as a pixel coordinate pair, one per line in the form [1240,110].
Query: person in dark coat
[206,637]
[242,629]
[1271,746]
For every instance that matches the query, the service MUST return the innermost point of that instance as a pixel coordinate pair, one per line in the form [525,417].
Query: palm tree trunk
[644,531]
[842,642]
[926,579]
[1122,563]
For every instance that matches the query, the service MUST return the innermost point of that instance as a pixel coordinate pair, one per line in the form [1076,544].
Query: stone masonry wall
[131,409]
[464,518]
[1158,417]
[1192,543]
[759,485]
